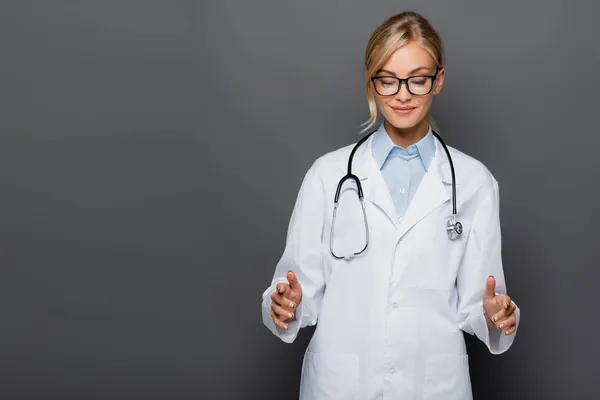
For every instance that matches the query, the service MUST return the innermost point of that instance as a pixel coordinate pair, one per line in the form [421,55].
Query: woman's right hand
[285,300]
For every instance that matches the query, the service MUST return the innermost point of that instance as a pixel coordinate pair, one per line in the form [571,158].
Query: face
[404,110]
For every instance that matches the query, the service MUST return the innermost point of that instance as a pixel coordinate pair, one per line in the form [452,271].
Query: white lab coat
[390,321]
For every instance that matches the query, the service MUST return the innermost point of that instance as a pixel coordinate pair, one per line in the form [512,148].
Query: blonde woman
[393,245]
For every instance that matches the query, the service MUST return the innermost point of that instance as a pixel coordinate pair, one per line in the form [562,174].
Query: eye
[387,82]
[418,81]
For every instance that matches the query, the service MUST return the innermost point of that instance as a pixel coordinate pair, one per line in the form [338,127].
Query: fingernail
[507,304]
[290,315]
[501,326]
[293,305]
[495,318]
[285,326]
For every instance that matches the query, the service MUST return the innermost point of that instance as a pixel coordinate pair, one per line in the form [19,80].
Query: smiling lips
[403,109]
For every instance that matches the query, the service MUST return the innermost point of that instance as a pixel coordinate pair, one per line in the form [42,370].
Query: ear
[439,81]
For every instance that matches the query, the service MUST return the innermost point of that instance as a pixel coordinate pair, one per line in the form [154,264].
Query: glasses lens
[420,85]
[386,86]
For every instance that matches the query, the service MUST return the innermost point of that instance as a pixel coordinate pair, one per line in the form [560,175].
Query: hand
[285,300]
[499,309]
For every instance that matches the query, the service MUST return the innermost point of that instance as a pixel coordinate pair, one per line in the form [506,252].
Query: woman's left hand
[499,309]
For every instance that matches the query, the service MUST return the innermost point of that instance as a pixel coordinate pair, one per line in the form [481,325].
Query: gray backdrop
[151,152]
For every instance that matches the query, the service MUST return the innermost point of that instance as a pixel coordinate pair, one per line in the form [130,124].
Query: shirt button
[411,150]
[392,370]
[401,190]
[394,304]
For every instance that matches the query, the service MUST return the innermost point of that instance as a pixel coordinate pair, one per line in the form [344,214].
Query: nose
[403,94]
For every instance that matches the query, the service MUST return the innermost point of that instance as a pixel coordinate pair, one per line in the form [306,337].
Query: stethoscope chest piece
[453,228]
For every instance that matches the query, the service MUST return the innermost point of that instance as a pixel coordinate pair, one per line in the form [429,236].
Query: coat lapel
[431,193]
[375,189]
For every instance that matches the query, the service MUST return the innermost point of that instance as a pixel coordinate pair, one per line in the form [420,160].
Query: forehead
[409,57]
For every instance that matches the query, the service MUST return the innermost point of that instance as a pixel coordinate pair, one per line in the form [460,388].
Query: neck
[404,137]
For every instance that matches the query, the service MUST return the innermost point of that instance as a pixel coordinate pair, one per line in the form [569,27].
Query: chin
[403,122]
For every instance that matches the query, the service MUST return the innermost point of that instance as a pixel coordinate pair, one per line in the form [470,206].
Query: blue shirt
[402,168]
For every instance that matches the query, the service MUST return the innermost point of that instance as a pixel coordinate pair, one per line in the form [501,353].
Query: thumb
[294,285]
[490,288]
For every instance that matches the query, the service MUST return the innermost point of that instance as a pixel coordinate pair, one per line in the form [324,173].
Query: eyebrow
[411,72]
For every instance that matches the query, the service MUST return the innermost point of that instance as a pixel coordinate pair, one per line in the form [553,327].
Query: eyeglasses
[418,85]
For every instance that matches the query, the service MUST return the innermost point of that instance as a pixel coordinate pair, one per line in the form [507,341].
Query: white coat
[390,321]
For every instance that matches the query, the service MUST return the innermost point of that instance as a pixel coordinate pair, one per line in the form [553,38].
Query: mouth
[403,109]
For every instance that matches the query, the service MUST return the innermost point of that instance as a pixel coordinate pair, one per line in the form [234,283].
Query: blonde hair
[394,33]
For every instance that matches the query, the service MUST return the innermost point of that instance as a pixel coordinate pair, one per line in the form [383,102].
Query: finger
[490,288]
[285,290]
[505,301]
[281,312]
[504,312]
[277,321]
[510,330]
[511,308]
[294,285]
[499,316]
[507,322]
[283,301]
[282,287]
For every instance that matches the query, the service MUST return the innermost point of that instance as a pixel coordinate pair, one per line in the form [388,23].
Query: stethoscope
[453,228]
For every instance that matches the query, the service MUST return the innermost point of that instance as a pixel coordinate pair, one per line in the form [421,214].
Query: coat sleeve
[302,255]
[481,259]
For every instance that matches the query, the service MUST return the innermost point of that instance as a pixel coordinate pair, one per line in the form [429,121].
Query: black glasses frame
[401,80]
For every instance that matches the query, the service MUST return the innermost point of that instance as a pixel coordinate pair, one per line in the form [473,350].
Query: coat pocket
[447,378]
[434,258]
[329,376]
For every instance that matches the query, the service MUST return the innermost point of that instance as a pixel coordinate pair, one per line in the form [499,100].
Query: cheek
[425,104]
[381,102]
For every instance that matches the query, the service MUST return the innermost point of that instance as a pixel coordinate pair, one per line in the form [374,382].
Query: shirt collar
[383,146]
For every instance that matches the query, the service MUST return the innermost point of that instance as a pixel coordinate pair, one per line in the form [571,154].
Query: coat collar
[433,191]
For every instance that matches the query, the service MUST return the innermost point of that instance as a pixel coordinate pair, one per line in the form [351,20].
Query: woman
[390,319]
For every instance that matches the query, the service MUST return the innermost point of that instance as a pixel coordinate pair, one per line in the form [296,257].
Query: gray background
[151,152]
